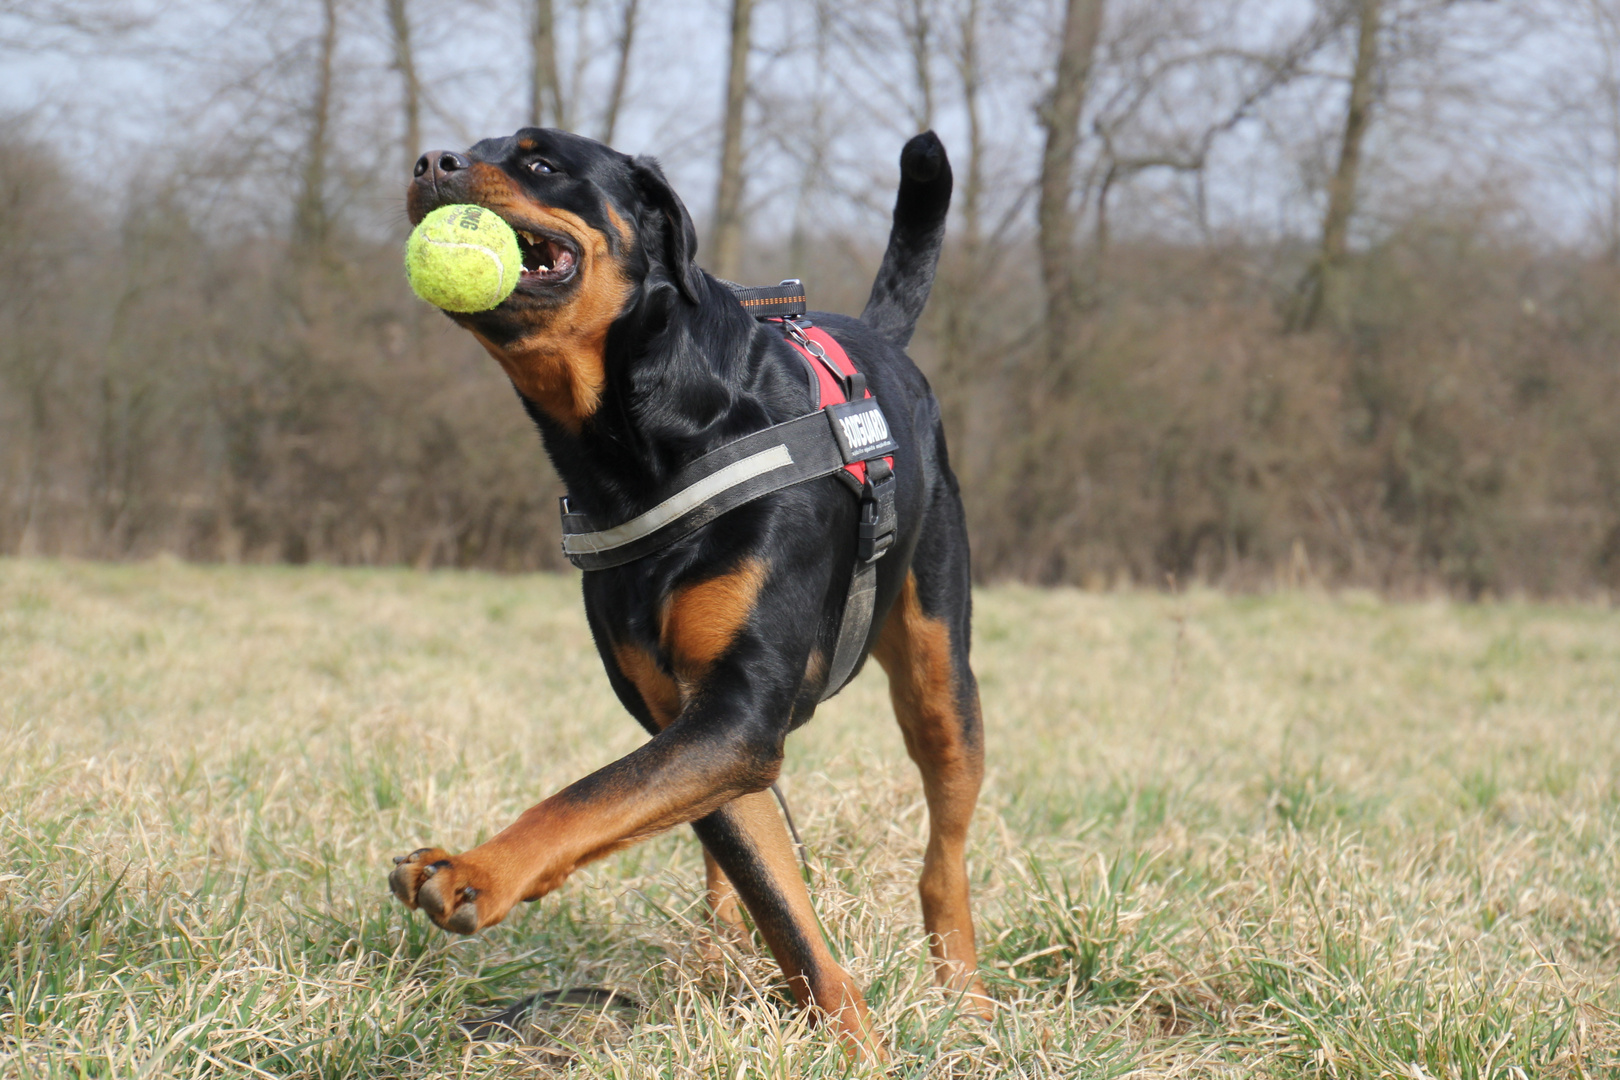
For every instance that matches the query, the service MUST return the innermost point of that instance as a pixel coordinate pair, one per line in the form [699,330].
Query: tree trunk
[812,139]
[964,276]
[405,63]
[728,198]
[1322,289]
[621,73]
[546,105]
[919,40]
[1060,117]
[310,221]
[973,186]
[34,480]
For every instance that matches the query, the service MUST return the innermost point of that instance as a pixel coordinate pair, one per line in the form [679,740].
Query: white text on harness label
[865,429]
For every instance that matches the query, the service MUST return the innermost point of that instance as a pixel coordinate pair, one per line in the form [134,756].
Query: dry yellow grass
[1284,836]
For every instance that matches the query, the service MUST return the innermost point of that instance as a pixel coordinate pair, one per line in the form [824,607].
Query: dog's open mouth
[547,259]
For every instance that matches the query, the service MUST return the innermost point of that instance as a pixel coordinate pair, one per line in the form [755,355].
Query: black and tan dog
[632,361]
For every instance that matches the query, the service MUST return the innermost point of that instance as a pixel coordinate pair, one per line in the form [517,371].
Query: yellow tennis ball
[463,258]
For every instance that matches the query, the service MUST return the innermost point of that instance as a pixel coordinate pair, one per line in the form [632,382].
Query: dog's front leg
[686,772]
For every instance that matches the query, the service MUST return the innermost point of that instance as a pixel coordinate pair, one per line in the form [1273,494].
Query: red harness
[834,372]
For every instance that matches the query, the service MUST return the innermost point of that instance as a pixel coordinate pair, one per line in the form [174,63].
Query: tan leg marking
[725,912]
[701,621]
[915,651]
[658,691]
[826,986]
[662,698]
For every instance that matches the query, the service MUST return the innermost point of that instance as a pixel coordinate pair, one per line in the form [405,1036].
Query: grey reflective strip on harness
[719,481]
[679,504]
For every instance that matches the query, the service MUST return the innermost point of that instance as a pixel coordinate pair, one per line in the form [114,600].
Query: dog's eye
[542,167]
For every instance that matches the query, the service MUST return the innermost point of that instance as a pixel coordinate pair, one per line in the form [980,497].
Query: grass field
[1292,835]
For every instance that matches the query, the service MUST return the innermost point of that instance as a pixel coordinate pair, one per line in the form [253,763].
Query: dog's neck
[681,380]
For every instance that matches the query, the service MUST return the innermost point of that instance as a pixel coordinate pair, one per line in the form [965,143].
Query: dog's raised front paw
[445,887]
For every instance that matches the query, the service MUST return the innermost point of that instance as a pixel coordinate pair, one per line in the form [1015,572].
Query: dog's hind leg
[724,914]
[750,843]
[923,647]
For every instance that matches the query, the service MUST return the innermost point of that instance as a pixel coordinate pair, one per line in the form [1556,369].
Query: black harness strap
[721,480]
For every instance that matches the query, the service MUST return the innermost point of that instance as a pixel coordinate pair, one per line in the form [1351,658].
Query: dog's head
[599,233]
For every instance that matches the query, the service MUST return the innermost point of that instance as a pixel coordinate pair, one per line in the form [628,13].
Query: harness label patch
[861,430]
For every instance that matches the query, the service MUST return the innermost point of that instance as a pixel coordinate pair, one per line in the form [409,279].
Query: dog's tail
[907,273]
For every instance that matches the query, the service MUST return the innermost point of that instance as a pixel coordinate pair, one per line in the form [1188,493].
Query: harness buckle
[878,519]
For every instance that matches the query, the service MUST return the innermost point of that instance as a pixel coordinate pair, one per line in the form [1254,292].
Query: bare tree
[917,22]
[35,198]
[812,138]
[69,24]
[310,220]
[728,224]
[1580,110]
[962,279]
[621,70]
[546,104]
[1323,284]
[967,63]
[404,62]
[1187,88]
[1060,118]
[893,46]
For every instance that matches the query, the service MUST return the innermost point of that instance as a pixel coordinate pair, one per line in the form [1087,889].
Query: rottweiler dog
[632,362]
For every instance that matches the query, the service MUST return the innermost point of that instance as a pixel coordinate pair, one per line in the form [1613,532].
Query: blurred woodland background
[1251,292]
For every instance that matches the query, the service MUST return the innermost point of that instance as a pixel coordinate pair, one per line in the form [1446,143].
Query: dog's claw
[435,887]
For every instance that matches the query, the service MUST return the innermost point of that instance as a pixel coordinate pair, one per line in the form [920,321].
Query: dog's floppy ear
[673,224]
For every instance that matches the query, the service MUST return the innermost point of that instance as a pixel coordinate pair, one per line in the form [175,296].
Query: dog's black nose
[441,161]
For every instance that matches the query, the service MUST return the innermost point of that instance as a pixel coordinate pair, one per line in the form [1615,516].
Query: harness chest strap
[722,480]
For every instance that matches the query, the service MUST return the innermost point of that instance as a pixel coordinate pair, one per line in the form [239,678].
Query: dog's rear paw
[430,879]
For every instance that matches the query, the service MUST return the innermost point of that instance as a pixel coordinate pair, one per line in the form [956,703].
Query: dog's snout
[439,163]
[441,176]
